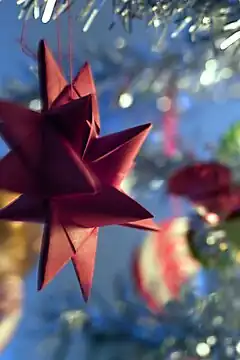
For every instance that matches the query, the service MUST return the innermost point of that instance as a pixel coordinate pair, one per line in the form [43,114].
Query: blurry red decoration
[69,176]
[163,264]
[169,121]
[208,185]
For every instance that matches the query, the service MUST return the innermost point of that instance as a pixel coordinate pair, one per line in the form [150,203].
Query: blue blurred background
[202,119]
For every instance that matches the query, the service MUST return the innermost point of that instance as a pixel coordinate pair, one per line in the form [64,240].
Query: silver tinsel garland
[200,18]
[197,326]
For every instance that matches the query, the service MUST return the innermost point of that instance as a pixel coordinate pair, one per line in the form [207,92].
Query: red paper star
[207,184]
[108,158]
[55,91]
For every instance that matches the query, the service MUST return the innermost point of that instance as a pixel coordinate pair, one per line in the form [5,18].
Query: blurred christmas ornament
[163,263]
[19,248]
[207,184]
[11,292]
[19,242]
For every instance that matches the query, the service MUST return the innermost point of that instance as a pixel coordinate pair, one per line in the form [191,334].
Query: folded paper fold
[119,149]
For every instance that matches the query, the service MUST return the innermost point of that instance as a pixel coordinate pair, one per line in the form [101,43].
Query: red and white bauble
[163,263]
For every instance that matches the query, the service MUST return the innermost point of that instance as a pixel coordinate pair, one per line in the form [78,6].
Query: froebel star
[109,158]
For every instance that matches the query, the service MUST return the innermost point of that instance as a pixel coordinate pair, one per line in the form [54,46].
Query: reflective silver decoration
[198,19]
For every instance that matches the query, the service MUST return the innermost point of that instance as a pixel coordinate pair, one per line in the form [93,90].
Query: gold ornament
[19,247]
[19,242]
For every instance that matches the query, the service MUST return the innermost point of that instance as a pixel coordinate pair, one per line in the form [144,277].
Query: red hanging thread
[70,47]
[22,41]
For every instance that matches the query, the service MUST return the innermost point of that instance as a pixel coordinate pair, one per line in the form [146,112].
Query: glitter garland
[195,327]
[200,19]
